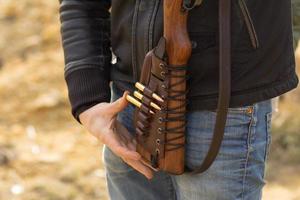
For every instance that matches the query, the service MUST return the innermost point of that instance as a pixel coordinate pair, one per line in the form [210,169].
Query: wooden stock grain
[178,47]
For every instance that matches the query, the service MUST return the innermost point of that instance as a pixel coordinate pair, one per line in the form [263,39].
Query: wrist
[87,117]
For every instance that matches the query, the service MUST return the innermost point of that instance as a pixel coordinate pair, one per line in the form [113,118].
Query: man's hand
[100,120]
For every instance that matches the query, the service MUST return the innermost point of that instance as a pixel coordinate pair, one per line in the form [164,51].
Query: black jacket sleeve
[85,31]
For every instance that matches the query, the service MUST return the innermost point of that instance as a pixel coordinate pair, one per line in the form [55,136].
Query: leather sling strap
[224,83]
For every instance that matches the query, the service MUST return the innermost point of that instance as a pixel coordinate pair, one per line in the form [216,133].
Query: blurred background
[45,154]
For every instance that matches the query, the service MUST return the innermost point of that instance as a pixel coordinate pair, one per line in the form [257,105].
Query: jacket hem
[246,98]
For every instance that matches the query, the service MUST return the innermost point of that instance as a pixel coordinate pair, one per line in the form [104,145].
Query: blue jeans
[236,174]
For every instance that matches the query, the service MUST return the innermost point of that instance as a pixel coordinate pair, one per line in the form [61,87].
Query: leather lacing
[174,114]
[178,111]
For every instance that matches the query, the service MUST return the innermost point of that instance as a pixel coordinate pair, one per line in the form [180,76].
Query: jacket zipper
[149,37]
[134,42]
[249,24]
[151,25]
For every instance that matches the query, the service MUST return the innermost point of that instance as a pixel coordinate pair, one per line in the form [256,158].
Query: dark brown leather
[150,139]
[224,83]
[152,144]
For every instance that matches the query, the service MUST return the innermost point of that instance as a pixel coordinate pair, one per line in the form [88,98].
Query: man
[262,68]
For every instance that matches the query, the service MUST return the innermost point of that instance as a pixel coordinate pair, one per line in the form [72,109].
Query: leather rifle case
[160,133]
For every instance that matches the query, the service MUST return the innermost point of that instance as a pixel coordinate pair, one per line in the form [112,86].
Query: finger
[127,140]
[132,145]
[140,167]
[127,153]
[120,104]
[122,131]
[121,150]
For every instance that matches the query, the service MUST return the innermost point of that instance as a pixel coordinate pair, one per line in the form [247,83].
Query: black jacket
[262,49]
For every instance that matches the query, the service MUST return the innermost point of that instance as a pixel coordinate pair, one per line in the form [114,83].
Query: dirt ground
[44,153]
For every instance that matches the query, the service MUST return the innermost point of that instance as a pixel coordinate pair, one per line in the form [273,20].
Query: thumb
[120,104]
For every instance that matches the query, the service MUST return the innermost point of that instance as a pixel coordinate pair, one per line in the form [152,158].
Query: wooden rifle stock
[178,49]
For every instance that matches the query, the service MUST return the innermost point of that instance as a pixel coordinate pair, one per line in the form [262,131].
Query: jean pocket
[200,128]
[242,110]
[114,164]
[268,134]
[238,115]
